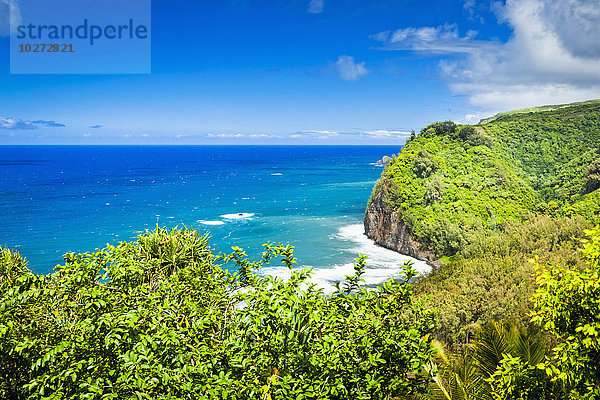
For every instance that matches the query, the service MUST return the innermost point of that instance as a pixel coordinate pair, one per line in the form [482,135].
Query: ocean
[58,199]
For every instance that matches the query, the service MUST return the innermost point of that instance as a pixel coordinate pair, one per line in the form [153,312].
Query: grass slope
[535,109]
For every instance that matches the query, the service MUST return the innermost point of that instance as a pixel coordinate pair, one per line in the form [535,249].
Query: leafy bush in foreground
[158,318]
[567,305]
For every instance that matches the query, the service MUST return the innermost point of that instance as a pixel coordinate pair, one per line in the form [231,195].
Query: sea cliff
[387,230]
[484,200]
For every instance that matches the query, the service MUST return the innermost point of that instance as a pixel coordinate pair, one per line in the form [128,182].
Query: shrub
[592,177]
[424,164]
[434,190]
[567,304]
[158,318]
[446,128]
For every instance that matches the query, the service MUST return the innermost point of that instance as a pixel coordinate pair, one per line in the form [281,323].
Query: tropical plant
[486,198]
[479,371]
[159,318]
[567,304]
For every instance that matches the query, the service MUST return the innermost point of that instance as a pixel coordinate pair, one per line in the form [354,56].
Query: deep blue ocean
[57,199]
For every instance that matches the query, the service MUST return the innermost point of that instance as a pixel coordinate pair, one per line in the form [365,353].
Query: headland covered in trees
[511,310]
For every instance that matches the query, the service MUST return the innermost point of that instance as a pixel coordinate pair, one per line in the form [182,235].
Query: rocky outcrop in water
[387,230]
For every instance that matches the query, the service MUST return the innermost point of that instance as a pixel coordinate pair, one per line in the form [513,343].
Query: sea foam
[382,263]
[203,222]
[237,216]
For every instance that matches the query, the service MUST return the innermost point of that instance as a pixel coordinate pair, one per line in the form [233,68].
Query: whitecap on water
[277,174]
[203,222]
[382,263]
[237,216]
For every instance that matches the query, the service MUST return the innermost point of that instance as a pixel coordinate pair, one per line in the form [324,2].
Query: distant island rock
[384,161]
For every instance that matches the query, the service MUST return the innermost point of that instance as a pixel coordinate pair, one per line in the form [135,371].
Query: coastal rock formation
[387,230]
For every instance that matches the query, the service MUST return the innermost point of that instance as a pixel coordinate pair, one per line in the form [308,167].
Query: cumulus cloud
[575,23]
[316,6]
[8,18]
[552,56]
[20,124]
[350,70]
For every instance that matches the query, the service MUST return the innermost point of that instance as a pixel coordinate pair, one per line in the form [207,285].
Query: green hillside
[451,183]
[487,198]
[536,109]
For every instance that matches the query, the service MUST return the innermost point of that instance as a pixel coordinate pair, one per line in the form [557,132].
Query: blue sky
[314,72]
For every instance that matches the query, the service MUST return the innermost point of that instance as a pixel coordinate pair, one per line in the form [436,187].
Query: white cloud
[473,118]
[316,6]
[321,132]
[469,5]
[8,18]
[15,124]
[238,135]
[384,133]
[314,134]
[225,135]
[372,134]
[576,23]
[443,39]
[350,70]
[474,8]
[24,125]
[552,56]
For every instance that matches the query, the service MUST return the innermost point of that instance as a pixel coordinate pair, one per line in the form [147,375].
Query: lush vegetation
[452,182]
[487,198]
[158,318]
[514,313]
[553,357]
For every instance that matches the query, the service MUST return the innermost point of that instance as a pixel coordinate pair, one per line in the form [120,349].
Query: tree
[479,372]
[592,177]
[424,164]
[567,304]
[159,318]
[434,190]
[446,128]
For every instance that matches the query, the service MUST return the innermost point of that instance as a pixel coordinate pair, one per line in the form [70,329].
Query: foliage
[498,347]
[500,193]
[475,137]
[518,380]
[424,165]
[439,129]
[491,279]
[434,190]
[158,318]
[567,304]
[494,173]
[592,177]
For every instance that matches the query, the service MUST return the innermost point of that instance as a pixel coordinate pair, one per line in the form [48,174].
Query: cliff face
[387,230]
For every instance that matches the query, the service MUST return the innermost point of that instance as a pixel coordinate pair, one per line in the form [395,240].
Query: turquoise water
[56,199]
